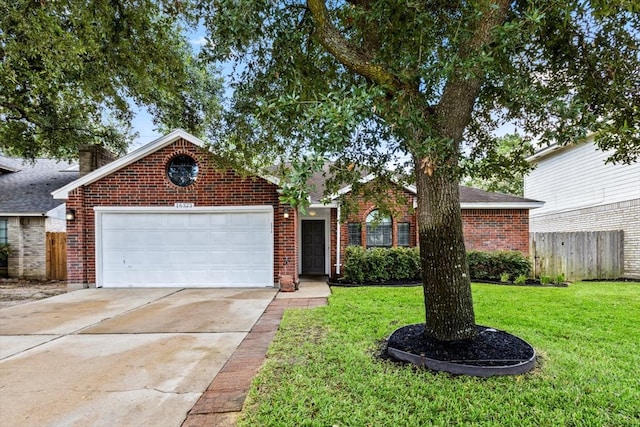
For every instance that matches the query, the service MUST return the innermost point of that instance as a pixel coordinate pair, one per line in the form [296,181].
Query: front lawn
[323,370]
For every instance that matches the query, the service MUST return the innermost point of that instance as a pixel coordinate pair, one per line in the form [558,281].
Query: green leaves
[70,70]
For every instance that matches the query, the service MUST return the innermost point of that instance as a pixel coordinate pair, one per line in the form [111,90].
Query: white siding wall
[582,193]
[577,177]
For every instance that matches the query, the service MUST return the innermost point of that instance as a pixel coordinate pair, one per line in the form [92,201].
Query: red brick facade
[144,183]
[405,214]
[484,229]
[496,229]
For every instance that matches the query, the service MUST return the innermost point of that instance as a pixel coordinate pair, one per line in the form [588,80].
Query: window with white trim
[355,238]
[379,230]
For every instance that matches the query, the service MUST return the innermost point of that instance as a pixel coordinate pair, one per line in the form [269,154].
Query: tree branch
[460,92]
[347,54]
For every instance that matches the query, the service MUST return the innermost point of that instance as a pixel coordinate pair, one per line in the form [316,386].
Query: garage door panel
[186,249]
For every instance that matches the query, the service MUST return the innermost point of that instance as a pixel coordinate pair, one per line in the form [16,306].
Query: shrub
[520,280]
[493,265]
[5,251]
[380,264]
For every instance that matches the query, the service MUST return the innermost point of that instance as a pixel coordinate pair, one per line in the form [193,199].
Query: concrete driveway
[119,356]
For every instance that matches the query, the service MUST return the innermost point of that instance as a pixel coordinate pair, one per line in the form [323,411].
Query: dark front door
[313,247]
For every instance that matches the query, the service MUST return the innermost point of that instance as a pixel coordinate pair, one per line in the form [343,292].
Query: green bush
[5,251]
[382,264]
[493,265]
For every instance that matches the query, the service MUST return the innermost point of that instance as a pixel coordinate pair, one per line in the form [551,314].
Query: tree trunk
[446,282]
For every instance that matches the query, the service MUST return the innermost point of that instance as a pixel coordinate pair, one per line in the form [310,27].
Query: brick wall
[484,229]
[614,216]
[144,183]
[26,235]
[404,213]
[496,229]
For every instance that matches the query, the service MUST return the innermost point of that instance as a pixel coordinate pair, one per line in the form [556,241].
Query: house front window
[355,238]
[379,231]
[404,229]
[3,231]
[3,240]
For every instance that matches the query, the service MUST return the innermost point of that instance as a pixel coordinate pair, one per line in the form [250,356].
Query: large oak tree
[70,72]
[422,86]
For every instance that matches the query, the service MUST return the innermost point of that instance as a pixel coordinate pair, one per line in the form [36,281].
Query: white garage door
[230,247]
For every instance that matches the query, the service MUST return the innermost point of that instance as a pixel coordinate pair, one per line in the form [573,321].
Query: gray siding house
[28,211]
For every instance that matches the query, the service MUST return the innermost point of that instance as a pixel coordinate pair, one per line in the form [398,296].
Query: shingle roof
[468,196]
[28,189]
[475,195]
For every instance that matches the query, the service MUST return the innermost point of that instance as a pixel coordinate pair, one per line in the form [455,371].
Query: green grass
[322,368]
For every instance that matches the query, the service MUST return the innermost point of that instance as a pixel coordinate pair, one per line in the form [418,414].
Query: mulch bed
[490,347]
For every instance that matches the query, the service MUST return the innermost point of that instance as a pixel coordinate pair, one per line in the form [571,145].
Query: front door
[313,247]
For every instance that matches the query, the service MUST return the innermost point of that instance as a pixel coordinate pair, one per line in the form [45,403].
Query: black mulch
[491,347]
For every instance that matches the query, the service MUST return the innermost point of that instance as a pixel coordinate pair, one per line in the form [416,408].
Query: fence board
[56,256]
[578,255]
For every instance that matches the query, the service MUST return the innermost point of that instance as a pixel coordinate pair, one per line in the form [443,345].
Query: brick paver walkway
[222,402]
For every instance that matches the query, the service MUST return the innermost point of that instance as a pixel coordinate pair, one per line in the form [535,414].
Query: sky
[143,124]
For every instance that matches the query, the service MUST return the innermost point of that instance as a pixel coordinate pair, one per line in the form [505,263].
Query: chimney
[93,157]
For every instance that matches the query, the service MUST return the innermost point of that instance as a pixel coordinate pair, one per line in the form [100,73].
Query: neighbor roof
[25,187]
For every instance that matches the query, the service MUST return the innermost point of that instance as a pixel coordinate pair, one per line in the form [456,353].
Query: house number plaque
[183,205]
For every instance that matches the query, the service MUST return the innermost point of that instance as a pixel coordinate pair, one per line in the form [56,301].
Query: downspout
[338,243]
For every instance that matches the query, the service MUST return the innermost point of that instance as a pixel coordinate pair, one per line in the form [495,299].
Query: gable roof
[26,187]
[145,150]
[470,198]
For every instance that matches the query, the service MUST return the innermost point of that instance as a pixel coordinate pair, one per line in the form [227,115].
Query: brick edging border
[228,390]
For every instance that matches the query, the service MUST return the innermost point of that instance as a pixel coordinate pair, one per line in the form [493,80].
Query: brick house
[164,215]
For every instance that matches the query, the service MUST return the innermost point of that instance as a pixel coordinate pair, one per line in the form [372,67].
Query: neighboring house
[164,215]
[583,193]
[28,211]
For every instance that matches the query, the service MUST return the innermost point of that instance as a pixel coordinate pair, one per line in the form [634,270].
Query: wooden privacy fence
[578,255]
[56,244]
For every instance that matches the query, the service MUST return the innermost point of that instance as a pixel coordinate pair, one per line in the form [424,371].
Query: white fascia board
[322,205]
[516,205]
[23,214]
[145,150]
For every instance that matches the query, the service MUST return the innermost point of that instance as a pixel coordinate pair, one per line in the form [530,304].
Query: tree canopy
[357,79]
[420,87]
[71,70]
[503,179]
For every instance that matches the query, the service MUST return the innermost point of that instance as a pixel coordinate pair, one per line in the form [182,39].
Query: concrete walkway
[138,356]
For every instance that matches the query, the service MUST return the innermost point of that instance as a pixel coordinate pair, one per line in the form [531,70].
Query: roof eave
[34,214]
[503,205]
